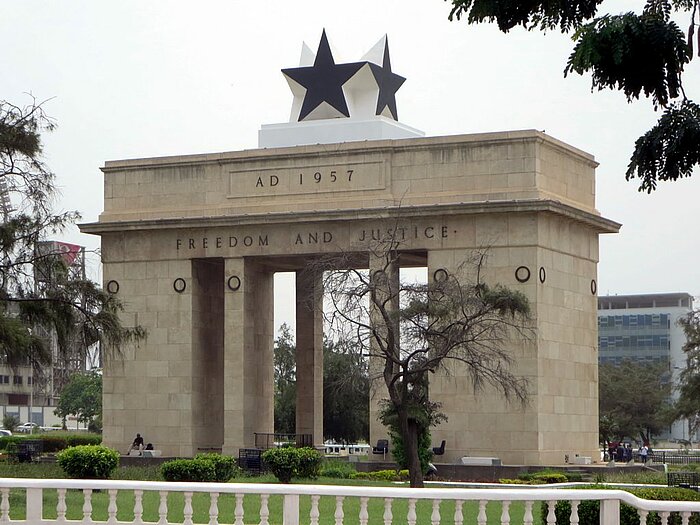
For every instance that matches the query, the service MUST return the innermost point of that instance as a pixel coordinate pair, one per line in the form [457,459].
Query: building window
[30,380]
[17,380]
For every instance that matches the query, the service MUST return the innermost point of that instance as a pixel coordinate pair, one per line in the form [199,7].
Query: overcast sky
[139,79]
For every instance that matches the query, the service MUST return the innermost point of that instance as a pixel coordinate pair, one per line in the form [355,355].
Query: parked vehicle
[4,432]
[28,428]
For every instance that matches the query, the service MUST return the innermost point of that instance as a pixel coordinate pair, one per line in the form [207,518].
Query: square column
[309,354]
[381,266]
[248,357]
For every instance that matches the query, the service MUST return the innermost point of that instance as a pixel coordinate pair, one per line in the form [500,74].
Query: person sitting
[149,446]
[136,445]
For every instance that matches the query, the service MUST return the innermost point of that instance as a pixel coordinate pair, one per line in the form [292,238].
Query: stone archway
[190,245]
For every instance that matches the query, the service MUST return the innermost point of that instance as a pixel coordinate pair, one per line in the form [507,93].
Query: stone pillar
[248,343]
[309,354]
[386,267]
[208,353]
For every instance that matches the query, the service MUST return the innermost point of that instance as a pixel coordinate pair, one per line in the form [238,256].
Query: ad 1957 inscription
[305,179]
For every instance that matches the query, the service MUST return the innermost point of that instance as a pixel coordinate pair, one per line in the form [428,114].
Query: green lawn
[125,502]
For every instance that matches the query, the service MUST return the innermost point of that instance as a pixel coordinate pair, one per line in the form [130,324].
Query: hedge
[88,461]
[188,470]
[288,463]
[53,442]
[589,511]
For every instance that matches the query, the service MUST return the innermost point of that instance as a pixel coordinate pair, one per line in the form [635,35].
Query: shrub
[310,461]
[73,440]
[507,481]
[88,461]
[543,477]
[195,469]
[10,422]
[225,467]
[589,511]
[336,469]
[288,463]
[381,475]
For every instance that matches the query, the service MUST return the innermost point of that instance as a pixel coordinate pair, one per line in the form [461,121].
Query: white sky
[140,79]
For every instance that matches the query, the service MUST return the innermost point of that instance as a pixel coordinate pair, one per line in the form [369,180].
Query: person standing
[643,453]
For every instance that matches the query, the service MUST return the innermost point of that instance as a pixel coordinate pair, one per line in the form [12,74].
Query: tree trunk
[409,433]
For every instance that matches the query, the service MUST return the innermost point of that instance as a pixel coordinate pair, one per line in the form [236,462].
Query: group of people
[137,444]
[623,453]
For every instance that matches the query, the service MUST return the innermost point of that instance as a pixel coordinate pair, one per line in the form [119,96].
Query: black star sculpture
[324,80]
[388,82]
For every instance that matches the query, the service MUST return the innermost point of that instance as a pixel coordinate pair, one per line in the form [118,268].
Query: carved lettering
[259,184]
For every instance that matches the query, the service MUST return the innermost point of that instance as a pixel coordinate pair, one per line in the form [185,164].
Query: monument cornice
[345,148]
[596,222]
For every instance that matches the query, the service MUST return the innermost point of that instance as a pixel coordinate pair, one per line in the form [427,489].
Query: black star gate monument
[190,245]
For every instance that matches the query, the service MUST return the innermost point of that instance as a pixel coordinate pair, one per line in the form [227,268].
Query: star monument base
[331,131]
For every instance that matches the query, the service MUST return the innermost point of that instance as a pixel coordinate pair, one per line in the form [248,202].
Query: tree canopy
[82,397]
[640,54]
[688,404]
[36,288]
[635,400]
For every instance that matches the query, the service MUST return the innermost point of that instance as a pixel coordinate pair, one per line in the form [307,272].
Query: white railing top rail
[505,494]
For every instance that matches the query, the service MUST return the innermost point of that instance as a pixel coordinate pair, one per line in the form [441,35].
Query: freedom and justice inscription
[310,178]
[310,237]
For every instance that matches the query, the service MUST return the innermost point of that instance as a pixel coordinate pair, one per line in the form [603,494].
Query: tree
[82,397]
[36,290]
[688,403]
[635,400]
[409,330]
[345,393]
[285,381]
[345,389]
[636,53]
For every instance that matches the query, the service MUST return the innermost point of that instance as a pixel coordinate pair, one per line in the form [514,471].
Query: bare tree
[411,329]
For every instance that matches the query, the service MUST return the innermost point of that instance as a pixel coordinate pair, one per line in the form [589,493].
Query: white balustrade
[204,502]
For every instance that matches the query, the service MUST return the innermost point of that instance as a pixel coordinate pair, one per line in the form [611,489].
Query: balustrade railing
[54,502]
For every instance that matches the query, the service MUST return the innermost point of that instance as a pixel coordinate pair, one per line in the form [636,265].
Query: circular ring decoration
[440,275]
[543,274]
[179,285]
[594,287]
[522,274]
[233,283]
[112,287]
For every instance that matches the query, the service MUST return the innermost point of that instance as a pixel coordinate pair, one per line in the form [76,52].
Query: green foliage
[198,470]
[527,13]
[336,469]
[285,381]
[10,422]
[426,414]
[632,53]
[688,404]
[635,53]
[83,438]
[544,477]
[345,393]
[225,467]
[88,461]
[39,288]
[589,511]
[288,463]
[53,441]
[382,475]
[81,396]
[634,399]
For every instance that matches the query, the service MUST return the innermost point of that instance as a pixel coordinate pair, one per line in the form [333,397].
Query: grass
[226,503]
